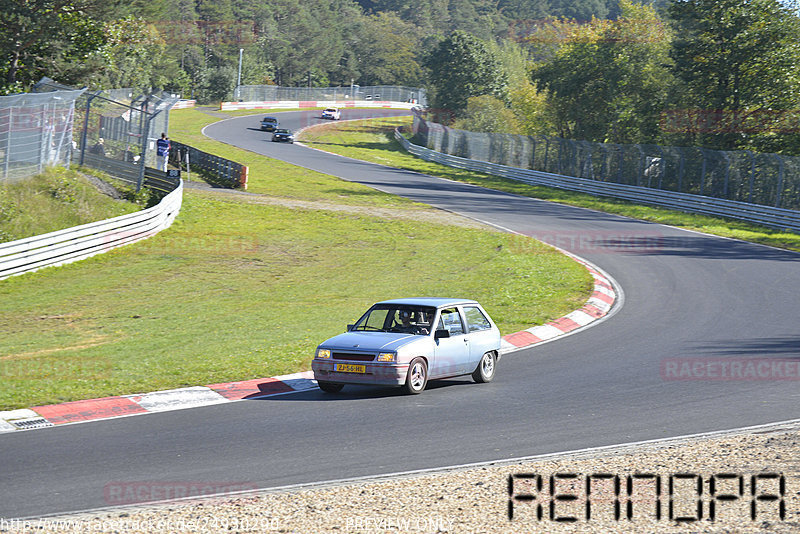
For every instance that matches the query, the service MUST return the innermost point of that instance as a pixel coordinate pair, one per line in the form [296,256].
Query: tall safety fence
[36,131]
[116,130]
[742,176]
[271,93]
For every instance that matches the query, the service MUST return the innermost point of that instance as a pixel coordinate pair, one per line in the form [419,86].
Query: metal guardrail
[80,242]
[778,218]
[221,170]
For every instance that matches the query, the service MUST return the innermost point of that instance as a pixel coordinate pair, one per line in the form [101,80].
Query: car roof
[438,302]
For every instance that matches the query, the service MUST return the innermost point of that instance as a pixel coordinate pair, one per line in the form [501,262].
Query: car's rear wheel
[329,387]
[417,377]
[486,367]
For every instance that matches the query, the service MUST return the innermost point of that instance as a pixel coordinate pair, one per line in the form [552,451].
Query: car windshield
[278,131]
[269,119]
[330,110]
[398,318]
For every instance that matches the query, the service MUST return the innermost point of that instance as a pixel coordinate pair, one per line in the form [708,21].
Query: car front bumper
[382,374]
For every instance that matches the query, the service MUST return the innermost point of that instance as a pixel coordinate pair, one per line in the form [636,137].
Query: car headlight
[386,357]
[323,354]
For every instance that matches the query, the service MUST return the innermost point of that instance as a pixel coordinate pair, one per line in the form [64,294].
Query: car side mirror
[350,327]
[441,333]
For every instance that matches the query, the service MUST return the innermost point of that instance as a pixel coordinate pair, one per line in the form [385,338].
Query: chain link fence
[271,93]
[36,131]
[744,176]
[116,130]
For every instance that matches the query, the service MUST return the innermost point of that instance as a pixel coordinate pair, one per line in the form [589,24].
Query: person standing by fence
[162,152]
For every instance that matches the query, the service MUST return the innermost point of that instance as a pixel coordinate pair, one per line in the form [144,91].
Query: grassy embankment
[373,141]
[55,200]
[245,286]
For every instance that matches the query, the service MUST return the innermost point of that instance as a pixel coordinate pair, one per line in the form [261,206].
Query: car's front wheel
[486,367]
[417,376]
[329,387]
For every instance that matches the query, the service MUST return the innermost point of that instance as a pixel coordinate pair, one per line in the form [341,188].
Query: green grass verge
[54,200]
[246,286]
[273,177]
[373,140]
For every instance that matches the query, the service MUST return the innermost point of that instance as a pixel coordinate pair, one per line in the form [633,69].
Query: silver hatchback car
[406,342]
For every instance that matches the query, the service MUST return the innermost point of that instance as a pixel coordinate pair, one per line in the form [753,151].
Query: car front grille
[354,356]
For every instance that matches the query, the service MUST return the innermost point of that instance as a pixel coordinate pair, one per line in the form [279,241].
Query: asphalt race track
[686,295]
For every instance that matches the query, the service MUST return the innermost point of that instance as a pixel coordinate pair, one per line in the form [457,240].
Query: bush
[487,114]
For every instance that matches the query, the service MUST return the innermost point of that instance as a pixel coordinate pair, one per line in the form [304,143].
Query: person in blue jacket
[162,152]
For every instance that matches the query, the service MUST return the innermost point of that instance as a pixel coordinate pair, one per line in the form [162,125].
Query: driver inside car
[411,322]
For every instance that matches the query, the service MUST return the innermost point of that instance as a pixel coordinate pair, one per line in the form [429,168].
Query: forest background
[721,74]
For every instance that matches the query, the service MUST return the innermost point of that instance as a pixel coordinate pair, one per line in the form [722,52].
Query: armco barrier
[184,104]
[80,242]
[778,218]
[226,172]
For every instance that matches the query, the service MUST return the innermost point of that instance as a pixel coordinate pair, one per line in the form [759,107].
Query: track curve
[687,296]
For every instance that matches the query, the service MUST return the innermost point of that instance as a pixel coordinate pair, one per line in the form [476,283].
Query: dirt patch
[422,214]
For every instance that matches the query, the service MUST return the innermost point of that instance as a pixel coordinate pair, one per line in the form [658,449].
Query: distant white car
[331,113]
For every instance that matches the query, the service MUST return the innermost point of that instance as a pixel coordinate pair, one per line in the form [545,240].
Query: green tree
[581,10]
[36,36]
[741,65]
[461,67]
[134,55]
[302,37]
[514,60]
[487,113]
[386,51]
[608,80]
[531,110]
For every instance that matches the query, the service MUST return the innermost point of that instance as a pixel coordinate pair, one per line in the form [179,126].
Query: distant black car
[269,124]
[282,135]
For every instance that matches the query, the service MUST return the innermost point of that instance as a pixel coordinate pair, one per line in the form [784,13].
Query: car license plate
[350,368]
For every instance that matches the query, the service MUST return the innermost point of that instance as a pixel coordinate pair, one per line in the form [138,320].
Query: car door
[451,353]
[482,337]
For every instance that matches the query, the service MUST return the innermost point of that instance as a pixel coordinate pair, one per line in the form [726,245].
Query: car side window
[450,320]
[476,320]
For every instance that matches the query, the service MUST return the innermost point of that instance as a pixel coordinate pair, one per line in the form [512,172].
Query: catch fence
[742,176]
[273,93]
[116,130]
[36,131]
